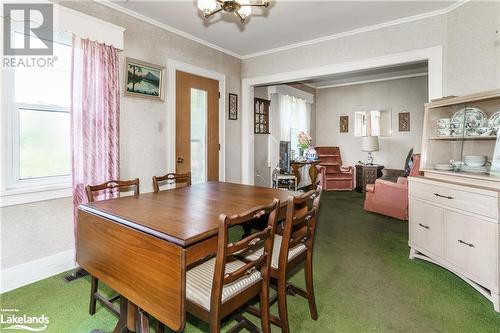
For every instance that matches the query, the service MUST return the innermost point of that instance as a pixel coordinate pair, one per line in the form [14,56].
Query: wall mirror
[373,123]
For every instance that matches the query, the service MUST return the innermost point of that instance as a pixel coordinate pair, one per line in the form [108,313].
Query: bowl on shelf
[476,169]
[475,161]
[443,166]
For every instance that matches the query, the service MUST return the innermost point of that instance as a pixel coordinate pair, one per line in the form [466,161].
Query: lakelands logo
[10,319]
[28,30]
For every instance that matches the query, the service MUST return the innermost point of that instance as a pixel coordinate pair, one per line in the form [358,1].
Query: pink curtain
[94,116]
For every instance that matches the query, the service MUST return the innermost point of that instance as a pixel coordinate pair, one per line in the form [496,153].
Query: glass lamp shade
[369,143]
[245,11]
[207,6]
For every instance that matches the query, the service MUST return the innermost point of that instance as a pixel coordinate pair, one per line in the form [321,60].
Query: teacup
[443,123]
[483,131]
[443,132]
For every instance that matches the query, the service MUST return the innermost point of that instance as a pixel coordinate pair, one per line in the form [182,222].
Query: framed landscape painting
[143,79]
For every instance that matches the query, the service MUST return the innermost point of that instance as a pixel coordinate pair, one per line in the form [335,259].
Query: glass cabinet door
[463,138]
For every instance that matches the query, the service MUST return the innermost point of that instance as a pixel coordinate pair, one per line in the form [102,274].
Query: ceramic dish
[494,120]
[443,166]
[469,169]
[471,117]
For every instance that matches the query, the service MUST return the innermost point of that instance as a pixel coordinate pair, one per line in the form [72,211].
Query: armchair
[388,198]
[336,176]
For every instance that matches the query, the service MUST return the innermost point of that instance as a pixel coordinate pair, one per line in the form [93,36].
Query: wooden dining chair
[92,192]
[222,285]
[171,178]
[293,247]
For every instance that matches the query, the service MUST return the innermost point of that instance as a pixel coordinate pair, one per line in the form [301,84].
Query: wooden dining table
[141,246]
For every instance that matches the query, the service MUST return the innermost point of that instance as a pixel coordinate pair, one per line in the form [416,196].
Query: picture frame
[344,124]
[143,79]
[233,106]
[404,121]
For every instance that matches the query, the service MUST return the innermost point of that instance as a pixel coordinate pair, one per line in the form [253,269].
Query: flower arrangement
[304,140]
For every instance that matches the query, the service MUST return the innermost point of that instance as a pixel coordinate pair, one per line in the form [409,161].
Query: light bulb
[206,6]
[245,11]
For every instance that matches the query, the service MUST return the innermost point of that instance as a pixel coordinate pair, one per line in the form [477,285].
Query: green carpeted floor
[363,278]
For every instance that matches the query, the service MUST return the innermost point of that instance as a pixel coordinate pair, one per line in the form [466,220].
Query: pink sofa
[391,199]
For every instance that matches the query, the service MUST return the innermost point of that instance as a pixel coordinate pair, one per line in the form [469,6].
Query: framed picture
[233,106]
[143,79]
[404,121]
[344,124]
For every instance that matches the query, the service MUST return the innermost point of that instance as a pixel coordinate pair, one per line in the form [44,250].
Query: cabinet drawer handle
[424,226]
[465,243]
[442,196]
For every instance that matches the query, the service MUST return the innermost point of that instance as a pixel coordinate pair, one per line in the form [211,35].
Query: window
[372,123]
[295,117]
[39,119]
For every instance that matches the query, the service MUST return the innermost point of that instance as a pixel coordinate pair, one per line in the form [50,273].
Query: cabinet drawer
[426,226]
[470,244]
[453,197]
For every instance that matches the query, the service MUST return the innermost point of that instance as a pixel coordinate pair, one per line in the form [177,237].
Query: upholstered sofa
[389,198]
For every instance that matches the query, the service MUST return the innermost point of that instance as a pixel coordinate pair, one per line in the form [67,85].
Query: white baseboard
[36,270]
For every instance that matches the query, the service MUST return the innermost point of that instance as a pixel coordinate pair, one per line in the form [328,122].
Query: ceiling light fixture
[241,8]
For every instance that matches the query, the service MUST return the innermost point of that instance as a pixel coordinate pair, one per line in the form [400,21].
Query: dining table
[141,246]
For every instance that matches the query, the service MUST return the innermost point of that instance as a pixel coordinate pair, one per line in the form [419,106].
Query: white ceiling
[282,24]
[369,75]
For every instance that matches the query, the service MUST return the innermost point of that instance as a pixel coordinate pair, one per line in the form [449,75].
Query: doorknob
[180,160]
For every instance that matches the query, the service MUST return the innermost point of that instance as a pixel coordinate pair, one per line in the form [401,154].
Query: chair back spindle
[170,179]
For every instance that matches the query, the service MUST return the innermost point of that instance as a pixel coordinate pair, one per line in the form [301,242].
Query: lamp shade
[369,143]
[245,11]
[207,5]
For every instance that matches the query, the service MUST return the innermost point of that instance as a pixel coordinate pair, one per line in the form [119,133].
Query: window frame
[13,190]
[15,177]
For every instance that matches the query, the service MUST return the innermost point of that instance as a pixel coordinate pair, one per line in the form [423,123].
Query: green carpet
[364,282]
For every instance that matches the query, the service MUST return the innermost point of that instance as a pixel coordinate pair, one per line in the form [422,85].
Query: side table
[367,174]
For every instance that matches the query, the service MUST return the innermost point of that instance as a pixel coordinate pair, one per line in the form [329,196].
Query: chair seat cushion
[199,282]
[338,176]
[292,253]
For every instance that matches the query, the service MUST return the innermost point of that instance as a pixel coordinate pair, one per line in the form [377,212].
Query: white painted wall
[397,95]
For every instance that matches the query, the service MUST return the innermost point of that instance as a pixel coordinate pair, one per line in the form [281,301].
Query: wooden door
[197,126]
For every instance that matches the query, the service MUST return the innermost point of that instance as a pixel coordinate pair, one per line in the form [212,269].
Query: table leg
[131,316]
[121,325]
[295,170]
[313,173]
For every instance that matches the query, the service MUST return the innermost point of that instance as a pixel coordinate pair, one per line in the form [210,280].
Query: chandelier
[241,8]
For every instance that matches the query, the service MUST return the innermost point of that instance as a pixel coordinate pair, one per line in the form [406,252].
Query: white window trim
[12,190]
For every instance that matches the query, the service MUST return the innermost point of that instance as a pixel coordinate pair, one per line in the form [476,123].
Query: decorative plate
[474,118]
[494,120]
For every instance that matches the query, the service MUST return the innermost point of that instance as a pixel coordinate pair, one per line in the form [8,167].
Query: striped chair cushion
[292,253]
[199,282]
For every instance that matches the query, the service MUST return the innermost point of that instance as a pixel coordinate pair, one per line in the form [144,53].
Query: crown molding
[360,30]
[164,26]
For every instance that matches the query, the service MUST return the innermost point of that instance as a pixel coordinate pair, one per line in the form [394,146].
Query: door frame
[433,55]
[172,67]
